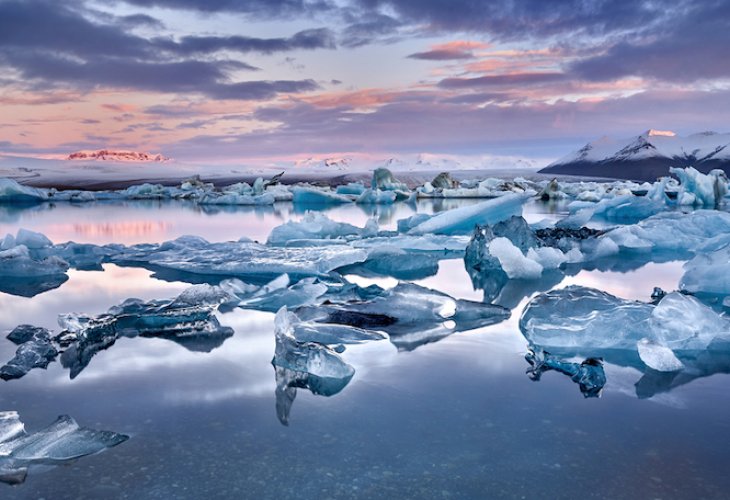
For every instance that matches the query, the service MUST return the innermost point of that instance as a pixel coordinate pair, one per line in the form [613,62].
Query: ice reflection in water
[461,407]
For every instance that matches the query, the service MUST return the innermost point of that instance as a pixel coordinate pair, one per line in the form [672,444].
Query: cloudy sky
[237,79]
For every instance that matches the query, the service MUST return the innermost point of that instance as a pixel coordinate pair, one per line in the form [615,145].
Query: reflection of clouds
[115,230]
[622,380]
[636,285]
[85,291]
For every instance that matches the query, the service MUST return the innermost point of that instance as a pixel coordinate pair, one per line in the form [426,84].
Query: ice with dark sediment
[410,314]
[60,443]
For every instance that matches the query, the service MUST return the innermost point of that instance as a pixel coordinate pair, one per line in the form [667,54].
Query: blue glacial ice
[36,350]
[316,226]
[188,319]
[12,192]
[588,374]
[698,189]
[579,321]
[303,364]
[310,196]
[462,220]
[60,443]
[410,314]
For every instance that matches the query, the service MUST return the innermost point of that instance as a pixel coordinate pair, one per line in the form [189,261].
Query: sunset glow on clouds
[221,79]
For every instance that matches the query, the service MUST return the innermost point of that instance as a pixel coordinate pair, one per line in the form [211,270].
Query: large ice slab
[61,442]
[410,314]
[36,350]
[463,220]
[188,320]
[316,226]
[12,192]
[242,258]
[583,321]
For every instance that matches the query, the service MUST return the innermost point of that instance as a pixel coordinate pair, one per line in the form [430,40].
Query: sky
[232,80]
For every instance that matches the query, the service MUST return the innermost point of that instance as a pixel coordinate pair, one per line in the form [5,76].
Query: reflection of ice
[188,320]
[589,374]
[61,442]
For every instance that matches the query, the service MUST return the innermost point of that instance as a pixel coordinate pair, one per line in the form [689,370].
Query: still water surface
[453,419]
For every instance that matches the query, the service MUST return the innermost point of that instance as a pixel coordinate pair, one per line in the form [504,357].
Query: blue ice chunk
[61,442]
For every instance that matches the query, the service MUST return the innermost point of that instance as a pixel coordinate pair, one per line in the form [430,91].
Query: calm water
[453,419]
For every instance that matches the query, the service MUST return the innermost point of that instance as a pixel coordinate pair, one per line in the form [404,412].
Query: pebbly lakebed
[444,404]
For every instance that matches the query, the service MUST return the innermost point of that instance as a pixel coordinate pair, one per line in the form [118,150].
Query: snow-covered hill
[116,155]
[647,156]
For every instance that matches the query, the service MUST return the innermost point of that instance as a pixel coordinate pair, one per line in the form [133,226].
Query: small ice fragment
[658,357]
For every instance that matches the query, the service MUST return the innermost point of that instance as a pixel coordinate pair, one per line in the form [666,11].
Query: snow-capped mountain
[112,155]
[325,163]
[647,156]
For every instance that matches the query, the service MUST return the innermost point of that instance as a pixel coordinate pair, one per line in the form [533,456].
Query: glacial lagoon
[454,415]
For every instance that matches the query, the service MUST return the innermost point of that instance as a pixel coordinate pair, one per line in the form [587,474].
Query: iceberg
[316,226]
[698,189]
[29,255]
[12,192]
[274,295]
[463,220]
[658,357]
[315,197]
[36,351]
[583,321]
[376,197]
[384,180]
[300,364]
[60,443]
[188,320]
[190,254]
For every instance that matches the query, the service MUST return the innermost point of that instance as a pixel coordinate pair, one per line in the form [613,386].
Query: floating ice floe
[60,443]
[29,256]
[190,254]
[410,314]
[462,220]
[583,321]
[188,320]
[384,180]
[12,192]
[303,364]
[316,226]
[313,197]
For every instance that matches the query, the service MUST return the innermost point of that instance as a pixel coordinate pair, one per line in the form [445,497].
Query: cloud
[416,125]
[311,39]
[451,51]
[254,8]
[687,48]
[502,80]
[521,19]
[50,46]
